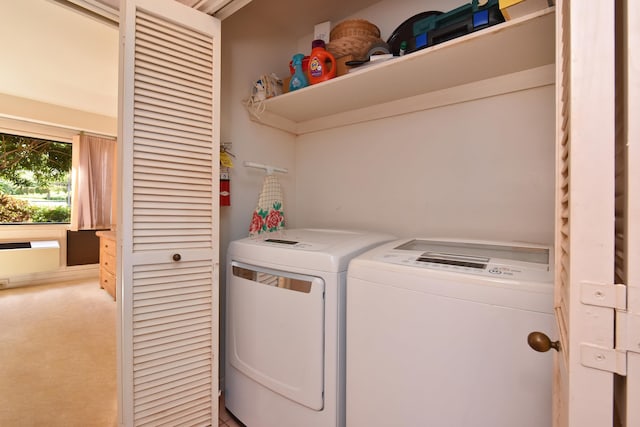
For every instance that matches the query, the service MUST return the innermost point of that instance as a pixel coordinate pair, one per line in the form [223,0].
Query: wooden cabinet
[108,261]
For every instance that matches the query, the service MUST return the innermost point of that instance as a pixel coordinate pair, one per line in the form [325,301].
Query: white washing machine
[285,355]
[437,334]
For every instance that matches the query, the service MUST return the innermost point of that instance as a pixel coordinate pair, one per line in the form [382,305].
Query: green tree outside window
[34,180]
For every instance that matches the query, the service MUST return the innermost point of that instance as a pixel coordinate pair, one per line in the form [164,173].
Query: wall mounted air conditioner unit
[19,258]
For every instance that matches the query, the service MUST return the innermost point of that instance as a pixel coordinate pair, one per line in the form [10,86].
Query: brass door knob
[541,342]
[176,257]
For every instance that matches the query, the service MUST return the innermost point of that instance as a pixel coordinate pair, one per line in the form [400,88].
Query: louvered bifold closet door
[563,118]
[629,205]
[169,217]
[585,176]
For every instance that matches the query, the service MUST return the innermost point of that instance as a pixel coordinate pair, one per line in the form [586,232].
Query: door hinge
[604,359]
[627,328]
[604,295]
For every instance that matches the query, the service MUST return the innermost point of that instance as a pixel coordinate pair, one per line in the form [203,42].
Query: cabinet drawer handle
[177,257]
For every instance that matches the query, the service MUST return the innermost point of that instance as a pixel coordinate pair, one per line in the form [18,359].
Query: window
[35,183]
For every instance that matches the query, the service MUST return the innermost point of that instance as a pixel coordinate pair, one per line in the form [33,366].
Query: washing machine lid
[324,250]
[521,262]
[517,276]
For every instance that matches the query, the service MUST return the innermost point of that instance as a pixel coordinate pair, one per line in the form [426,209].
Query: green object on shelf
[460,13]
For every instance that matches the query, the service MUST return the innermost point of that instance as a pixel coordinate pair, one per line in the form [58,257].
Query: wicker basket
[353,37]
[354,27]
[358,46]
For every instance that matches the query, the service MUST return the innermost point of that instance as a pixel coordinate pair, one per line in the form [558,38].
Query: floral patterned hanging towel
[269,215]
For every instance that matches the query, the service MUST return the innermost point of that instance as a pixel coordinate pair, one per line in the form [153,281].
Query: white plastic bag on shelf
[267,86]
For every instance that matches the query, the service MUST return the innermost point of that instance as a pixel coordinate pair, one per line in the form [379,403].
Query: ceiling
[294,17]
[59,57]
[108,9]
[207,6]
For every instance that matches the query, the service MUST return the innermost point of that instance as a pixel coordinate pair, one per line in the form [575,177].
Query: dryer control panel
[478,258]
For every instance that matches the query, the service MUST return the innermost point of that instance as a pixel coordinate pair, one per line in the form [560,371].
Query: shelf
[382,90]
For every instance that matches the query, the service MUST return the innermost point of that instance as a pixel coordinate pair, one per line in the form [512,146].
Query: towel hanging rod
[268,168]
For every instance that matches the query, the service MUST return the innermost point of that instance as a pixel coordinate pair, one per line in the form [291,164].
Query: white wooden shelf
[414,81]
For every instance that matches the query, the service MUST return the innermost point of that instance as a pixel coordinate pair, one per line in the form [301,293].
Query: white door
[630,389]
[597,376]
[168,214]
[583,395]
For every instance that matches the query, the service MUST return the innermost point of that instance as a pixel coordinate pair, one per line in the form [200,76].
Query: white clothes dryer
[437,334]
[285,354]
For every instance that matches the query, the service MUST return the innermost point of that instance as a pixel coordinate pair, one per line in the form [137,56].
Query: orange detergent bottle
[322,64]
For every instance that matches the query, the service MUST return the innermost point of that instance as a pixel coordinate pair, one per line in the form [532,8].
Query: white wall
[249,52]
[482,169]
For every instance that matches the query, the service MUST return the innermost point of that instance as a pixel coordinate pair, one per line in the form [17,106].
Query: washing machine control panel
[293,244]
[509,262]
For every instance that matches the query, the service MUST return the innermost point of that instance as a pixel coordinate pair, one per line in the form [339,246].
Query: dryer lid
[325,250]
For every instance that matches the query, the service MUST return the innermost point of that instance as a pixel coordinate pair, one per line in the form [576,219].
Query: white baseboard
[80,272]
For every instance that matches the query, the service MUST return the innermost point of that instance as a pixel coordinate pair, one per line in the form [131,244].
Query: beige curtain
[93,164]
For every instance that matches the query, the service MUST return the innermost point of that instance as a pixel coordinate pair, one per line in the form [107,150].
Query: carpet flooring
[58,356]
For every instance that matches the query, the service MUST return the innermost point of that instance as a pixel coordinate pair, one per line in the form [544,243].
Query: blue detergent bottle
[298,79]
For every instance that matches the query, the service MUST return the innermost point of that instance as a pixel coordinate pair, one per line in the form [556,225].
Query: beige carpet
[57,356]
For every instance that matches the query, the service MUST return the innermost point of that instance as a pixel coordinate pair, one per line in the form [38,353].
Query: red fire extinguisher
[226,164]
